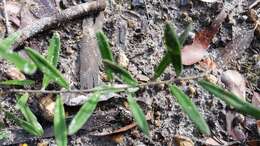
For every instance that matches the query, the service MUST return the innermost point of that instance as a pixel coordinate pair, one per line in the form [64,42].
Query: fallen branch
[121,86]
[59,18]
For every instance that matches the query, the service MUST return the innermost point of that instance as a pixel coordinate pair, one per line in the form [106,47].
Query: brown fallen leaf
[198,49]
[183,141]
[234,82]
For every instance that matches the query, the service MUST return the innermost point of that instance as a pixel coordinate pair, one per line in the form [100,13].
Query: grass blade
[24,124]
[231,99]
[138,114]
[190,109]
[28,114]
[13,57]
[53,56]
[123,74]
[185,35]
[105,51]
[60,129]
[166,60]
[48,69]
[173,47]
[84,113]
[17,82]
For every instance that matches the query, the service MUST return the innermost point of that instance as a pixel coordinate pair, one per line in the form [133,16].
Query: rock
[183,141]
[15,74]
[192,90]
[131,23]
[47,106]
[141,77]
[235,82]
[122,59]
[211,78]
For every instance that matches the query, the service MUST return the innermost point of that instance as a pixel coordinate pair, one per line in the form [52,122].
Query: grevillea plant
[48,67]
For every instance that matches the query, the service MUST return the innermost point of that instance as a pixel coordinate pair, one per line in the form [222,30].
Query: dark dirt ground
[135,28]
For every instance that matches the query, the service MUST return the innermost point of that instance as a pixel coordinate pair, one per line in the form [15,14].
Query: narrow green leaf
[231,99]
[185,35]
[24,124]
[48,69]
[84,113]
[190,109]
[17,82]
[53,56]
[166,60]
[104,47]
[3,135]
[105,51]
[123,74]
[60,129]
[28,114]
[13,57]
[173,47]
[138,114]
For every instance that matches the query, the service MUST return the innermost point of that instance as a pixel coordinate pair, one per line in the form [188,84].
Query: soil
[135,28]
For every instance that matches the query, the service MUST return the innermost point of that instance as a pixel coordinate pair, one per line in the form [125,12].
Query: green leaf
[17,82]
[166,60]
[173,47]
[190,109]
[3,135]
[48,69]
[185,35]
[53,56]
[84,113]
[231,99]
[60,129]
[123,74]
[24,124]
[138,114]
[28,114]
[13,57]
[105,51]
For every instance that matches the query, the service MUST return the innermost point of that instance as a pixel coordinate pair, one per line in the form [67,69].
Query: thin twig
[59,18]
[254,4]
[123,86]
[7,23]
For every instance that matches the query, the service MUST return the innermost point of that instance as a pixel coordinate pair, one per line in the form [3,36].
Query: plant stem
[7,24]
[122,86]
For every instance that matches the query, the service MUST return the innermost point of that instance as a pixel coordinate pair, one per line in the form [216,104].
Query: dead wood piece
[89,54]
[59,17]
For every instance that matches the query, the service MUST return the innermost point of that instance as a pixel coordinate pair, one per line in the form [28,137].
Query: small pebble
[131,23]
[47,106]
[157,123]
[142,78]
[69,51]
[15,74]
[211,78]
[192,90]
[122,59]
